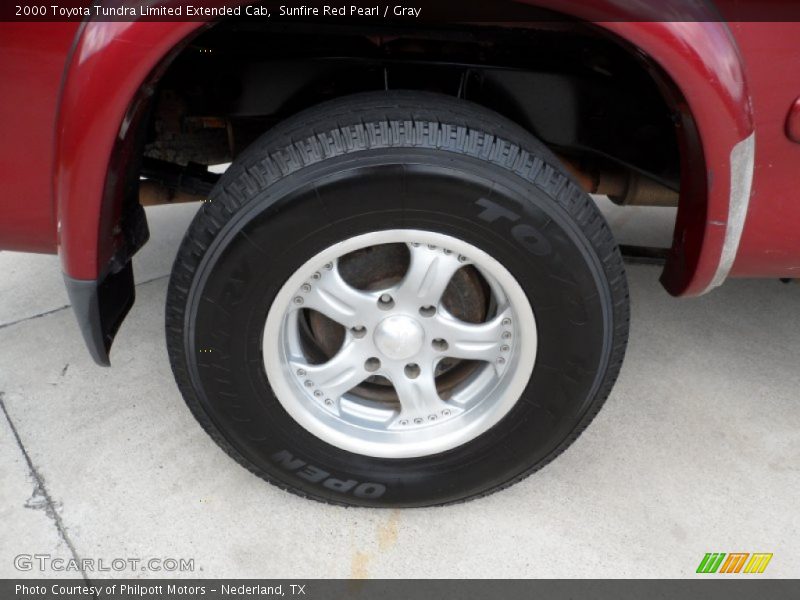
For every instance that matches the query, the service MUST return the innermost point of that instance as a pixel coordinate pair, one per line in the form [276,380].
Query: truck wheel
[396,299]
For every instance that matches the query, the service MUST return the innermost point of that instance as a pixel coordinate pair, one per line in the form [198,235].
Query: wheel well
[611,114]
[580,91]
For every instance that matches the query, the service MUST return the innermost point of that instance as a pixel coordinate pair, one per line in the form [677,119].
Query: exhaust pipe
[153,192]
[623,186]
[168,183]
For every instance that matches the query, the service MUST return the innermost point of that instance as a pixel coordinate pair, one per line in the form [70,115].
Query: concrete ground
[697,450]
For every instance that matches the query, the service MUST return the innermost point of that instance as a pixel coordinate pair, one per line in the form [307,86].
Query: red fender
[113,61]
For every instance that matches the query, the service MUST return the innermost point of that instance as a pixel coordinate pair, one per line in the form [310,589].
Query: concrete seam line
[159,278]
[60,308]
[44,314]
[39,482]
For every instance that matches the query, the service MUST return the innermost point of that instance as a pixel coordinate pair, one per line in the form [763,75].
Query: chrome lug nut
[385,302]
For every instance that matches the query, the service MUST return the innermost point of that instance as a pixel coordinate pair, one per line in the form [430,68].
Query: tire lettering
[530,238]
[313,474]
[286,460]
[493,211]
[340,485]
[526,235]
[369,490]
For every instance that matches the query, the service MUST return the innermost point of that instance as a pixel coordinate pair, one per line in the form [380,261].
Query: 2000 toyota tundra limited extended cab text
[401,292]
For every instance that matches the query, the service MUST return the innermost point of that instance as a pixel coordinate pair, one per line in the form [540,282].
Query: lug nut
[427,311]
[372,364]
[440,345]
[412,370]
[385,302]
[358,332]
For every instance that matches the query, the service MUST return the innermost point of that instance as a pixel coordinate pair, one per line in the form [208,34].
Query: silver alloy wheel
[401,334]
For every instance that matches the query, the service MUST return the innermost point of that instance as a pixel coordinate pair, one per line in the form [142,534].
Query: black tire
[309,183]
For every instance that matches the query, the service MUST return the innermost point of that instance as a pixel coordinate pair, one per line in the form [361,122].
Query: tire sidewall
[284,224]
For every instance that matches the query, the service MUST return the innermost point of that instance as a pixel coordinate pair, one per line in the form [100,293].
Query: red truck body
[68,87]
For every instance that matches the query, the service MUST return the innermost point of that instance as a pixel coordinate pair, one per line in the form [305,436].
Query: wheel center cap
[399,337]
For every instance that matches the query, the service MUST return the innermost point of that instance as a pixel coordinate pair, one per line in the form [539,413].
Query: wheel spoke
[418,397]
[335,298]
[470,341]
[335,377]
[429,272]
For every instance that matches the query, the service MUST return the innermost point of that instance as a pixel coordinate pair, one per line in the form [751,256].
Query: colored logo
[735,562]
